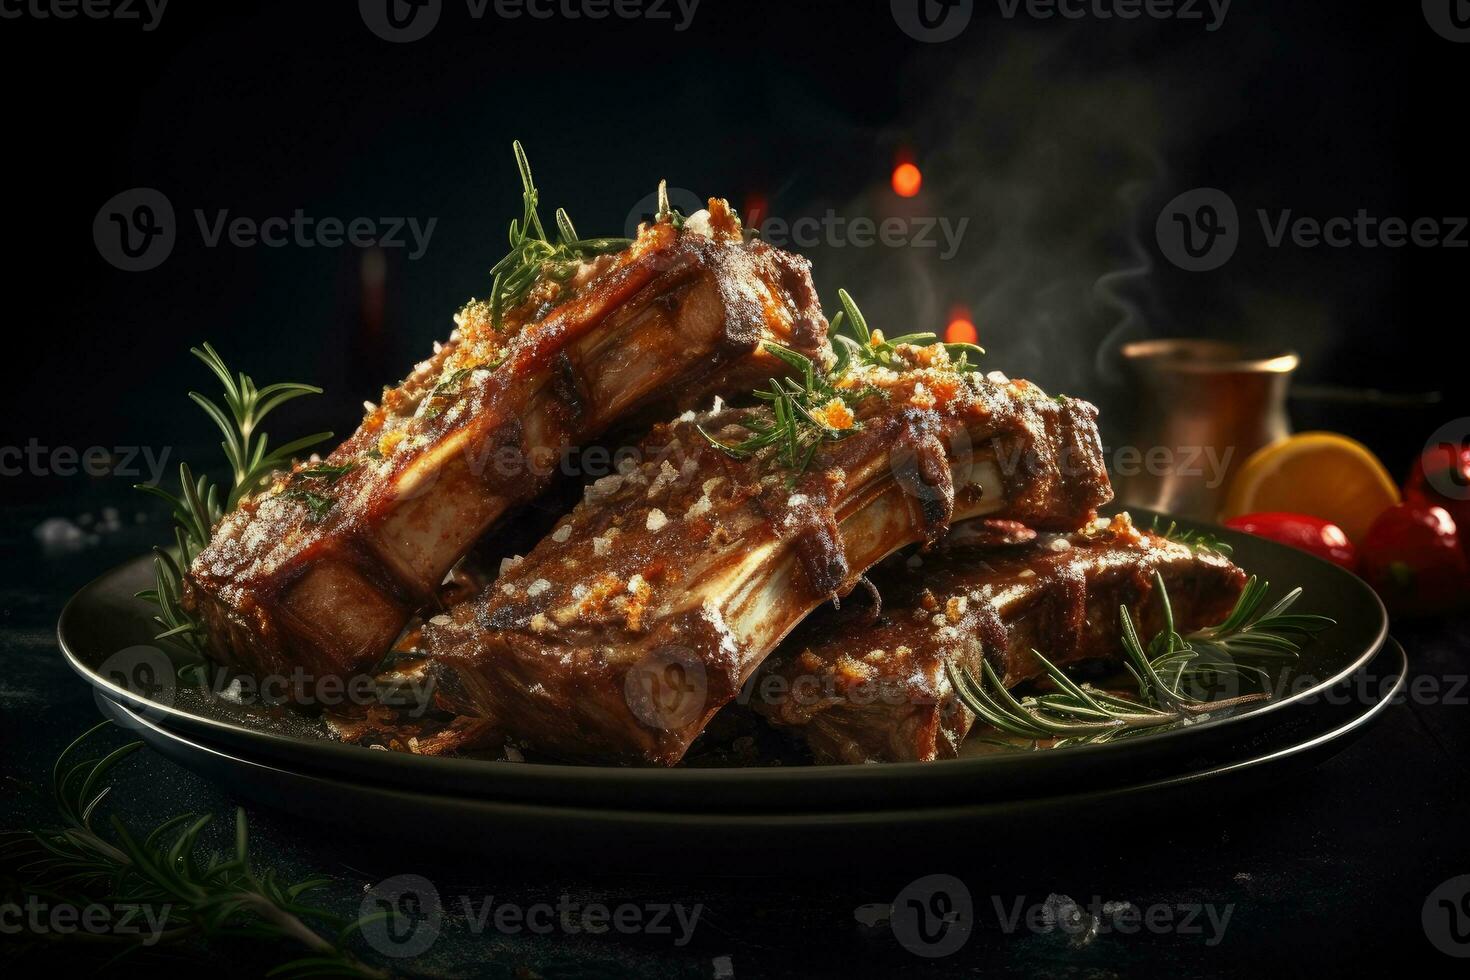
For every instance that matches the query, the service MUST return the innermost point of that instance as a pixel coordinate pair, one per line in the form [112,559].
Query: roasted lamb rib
[623,632]
[862,690]
[323,568]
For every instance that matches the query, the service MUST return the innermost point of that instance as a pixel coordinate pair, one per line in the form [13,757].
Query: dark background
[1059,142]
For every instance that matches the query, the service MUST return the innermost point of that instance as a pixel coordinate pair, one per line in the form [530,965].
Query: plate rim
[869,818]
[819,773]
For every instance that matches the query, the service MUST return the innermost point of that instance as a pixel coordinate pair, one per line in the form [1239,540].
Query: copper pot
[1204,407]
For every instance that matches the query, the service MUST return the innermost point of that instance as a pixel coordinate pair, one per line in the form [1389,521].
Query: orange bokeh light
[907,180]
[961,329]
[756,209]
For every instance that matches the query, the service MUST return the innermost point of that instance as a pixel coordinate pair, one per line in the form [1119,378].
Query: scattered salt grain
[604,488]
[537,587]
[561,534]
[656,519]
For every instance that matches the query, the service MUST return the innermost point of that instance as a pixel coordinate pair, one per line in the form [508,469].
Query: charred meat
[323,568]
[623,632]
[863,689]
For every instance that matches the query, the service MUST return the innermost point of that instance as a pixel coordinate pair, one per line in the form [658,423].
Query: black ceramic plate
[106,634]
[653,840]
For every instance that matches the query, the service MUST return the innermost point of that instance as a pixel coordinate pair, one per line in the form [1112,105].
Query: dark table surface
[1326,871]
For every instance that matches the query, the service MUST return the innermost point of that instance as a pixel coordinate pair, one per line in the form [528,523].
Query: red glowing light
[756,209]
[907,180]
[961,329]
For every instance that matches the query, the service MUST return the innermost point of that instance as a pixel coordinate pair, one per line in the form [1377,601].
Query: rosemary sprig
[1168,670]
[1247,632]
[876,350]
[532,253]
[198,506]
[1196,540]
[219,896]
[798,421]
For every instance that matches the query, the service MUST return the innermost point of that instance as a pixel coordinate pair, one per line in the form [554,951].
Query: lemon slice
[1322,474]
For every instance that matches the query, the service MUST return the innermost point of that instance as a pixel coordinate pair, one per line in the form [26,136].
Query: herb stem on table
[218,896]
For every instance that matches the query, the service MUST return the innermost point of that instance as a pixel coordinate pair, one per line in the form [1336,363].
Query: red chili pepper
[1412,556]
[1304,532]
[1441,478]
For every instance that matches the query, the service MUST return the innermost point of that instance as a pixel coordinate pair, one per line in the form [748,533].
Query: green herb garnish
[318,504]
[796,425]
[884,353]
[533,253]
[198,508]
[323,471]
[1166,669]
[1195,540]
